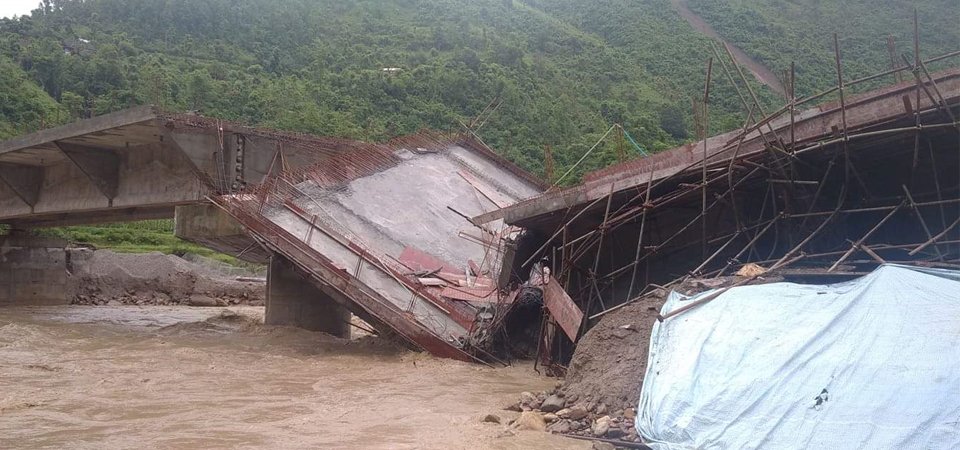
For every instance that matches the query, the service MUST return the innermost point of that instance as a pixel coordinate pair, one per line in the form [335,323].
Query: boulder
[159,298]
[553,403]
[576,412]
[550,417]
[202,300]
[530,420]
[562,427]
[527,398]
[615,433]
[629,413]
[601,426]
[490,418]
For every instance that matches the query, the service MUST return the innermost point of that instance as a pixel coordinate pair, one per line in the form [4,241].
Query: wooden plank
[431,282]
[473,295]
[496,197]
[562,308]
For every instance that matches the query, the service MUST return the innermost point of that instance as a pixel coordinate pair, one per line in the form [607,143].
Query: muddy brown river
[180,377]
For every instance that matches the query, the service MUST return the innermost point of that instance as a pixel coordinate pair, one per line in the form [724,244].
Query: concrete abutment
[33,270]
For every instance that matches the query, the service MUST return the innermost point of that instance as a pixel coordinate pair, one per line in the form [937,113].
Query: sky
[10,8]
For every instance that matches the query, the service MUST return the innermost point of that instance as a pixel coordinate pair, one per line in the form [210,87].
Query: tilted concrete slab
[347,227]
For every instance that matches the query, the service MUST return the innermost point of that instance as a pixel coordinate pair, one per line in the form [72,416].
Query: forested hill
[563,70]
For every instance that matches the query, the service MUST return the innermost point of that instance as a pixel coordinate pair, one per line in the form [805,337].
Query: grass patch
[137,237]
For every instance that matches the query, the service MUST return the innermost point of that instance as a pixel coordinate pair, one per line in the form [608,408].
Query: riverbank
[600,395]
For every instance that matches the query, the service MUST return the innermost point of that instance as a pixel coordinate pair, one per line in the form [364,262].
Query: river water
[180,377]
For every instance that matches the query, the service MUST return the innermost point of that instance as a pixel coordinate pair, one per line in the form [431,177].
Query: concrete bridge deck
[137,164]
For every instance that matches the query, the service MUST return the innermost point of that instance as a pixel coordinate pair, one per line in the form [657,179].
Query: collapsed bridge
[380,231]
[438,240]
[385,233]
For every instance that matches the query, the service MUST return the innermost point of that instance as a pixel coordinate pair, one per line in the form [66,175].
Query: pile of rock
[103,277]
[93,296]
[568,414]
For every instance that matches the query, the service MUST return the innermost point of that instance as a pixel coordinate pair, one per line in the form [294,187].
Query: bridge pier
[294,301]
[33,270]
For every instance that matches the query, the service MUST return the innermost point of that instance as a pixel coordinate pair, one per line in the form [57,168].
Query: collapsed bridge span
[384,231]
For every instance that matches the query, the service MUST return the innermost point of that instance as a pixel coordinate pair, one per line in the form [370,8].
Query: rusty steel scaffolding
[841,202]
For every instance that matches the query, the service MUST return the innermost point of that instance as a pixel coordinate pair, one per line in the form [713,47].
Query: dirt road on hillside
[761,72]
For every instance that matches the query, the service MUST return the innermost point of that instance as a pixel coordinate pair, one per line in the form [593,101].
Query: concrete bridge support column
[292,300]
[33,270]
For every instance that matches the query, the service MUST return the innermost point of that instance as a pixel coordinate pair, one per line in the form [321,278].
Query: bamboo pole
[706,128]
[863,239]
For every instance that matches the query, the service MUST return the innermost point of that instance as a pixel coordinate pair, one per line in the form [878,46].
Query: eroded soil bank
[182,377]
[103,277]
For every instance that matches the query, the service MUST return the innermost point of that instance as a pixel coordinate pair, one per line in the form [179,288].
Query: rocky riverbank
[101,277]
[599,396]
[557,411]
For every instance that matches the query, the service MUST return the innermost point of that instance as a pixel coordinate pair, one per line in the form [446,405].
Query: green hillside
[777,32]
[23,104]
[564,70]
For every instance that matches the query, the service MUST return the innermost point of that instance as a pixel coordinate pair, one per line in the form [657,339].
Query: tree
[199,87]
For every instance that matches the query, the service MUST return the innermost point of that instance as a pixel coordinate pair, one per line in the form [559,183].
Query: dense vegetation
[317,66]
[565,70]
[778,32]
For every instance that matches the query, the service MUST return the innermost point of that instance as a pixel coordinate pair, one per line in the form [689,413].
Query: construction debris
[751,270]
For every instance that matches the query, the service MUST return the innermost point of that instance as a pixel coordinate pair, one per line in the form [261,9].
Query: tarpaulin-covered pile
[871,363]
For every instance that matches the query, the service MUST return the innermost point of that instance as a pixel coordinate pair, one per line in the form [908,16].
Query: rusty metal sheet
[471,294]
[419,260]
[562,308]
